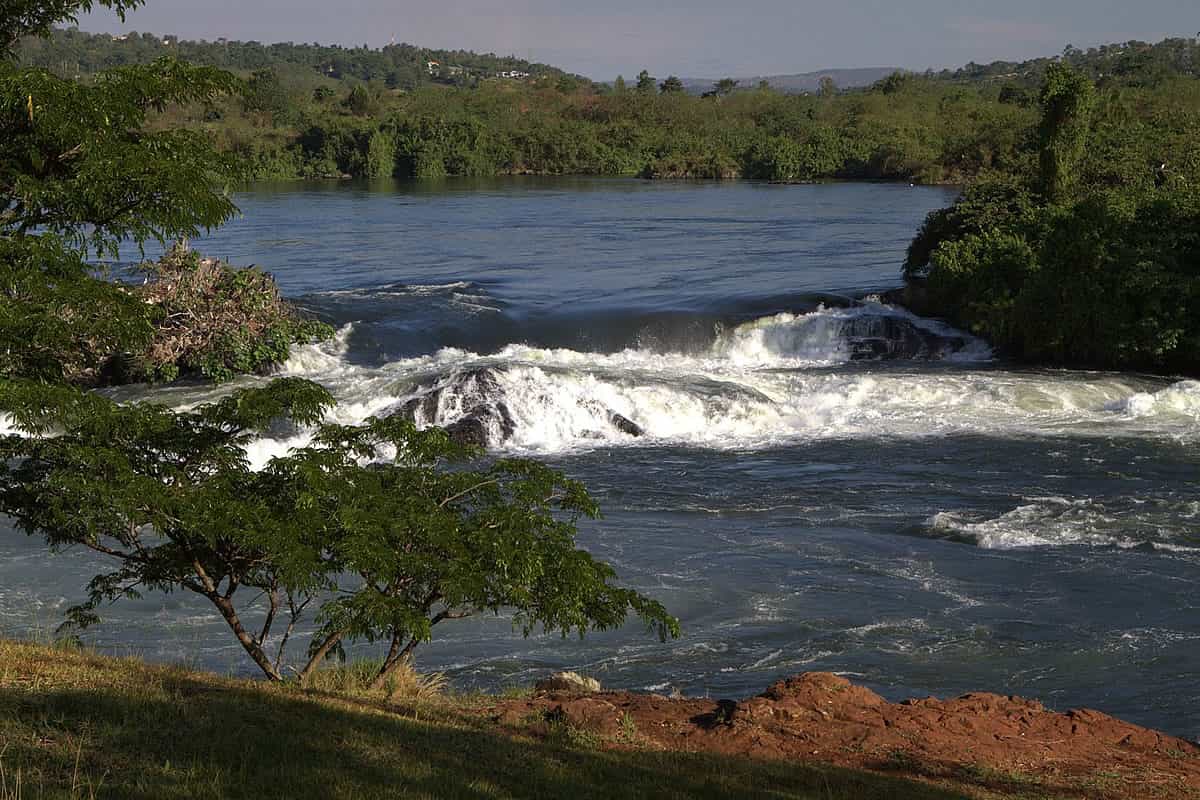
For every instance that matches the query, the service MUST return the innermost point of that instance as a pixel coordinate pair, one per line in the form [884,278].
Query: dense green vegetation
[910,129]
[299,119]
[1092,256]
[1126,64]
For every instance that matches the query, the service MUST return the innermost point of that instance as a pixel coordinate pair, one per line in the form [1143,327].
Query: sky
[701,38]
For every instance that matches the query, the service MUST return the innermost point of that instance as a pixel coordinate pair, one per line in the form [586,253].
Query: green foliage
[381,155]
[646,84]
[1094,258]
[76,161]
[57,322]
[82,171]
[361,101]
[264,92]
[1067,101]
[386,551]
[399,66]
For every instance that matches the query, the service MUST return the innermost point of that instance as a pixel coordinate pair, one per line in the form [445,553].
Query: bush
[216,320]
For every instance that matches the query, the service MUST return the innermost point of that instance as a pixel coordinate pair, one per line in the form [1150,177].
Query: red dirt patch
[977,742]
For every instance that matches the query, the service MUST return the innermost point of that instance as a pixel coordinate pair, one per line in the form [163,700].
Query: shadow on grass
[181,737]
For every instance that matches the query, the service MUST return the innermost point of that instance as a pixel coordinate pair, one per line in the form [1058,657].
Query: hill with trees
[71,52]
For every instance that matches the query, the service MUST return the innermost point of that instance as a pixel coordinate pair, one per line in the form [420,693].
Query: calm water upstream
[823,484]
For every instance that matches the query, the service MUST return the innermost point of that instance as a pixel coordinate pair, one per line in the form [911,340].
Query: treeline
[74,53]
[906,129]
[1131,63]
[293,120]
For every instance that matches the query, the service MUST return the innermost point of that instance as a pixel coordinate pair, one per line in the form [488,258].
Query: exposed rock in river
[889,337]
[474,407]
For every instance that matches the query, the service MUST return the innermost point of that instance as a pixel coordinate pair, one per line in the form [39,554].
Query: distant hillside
[398,66]
[1126,63]
[800,82]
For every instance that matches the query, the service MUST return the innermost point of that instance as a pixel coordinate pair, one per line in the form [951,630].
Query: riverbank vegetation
[318,112]
[74,724]
[1092,256]
[81,177]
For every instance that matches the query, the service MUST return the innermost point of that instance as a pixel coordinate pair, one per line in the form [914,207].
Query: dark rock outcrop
[474,428]
[888,338]
[626,425]
[487,422]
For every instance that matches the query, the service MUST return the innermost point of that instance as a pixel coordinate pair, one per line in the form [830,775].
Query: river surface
[823,483]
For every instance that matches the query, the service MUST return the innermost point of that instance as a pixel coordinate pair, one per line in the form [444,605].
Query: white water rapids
[766,382]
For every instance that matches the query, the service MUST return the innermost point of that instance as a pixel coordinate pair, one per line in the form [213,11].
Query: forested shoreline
[311,112]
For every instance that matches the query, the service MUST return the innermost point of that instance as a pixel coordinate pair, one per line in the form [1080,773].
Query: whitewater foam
[832,336]
[1122,522]
[762,384]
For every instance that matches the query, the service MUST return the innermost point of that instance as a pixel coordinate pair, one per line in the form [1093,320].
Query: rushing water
[822,483]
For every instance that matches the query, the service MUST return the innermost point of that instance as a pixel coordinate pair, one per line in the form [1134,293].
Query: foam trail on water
[1124,522]
[1180,400]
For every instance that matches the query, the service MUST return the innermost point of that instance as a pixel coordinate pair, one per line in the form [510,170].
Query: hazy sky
[702,38]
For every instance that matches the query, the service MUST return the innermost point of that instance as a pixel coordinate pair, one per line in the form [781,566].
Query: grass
[77,725]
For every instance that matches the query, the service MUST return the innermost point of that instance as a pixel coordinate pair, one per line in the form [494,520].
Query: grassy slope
[74,724]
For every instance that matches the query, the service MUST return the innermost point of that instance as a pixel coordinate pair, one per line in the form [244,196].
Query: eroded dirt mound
[985,741]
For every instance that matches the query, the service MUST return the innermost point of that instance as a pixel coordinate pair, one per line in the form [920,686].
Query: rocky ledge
[978,741]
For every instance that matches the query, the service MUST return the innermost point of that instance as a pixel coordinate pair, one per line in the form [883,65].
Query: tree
[672,85]
[264,92]
[384,552]
[79,175]
[826,87]
[361,101]
[619,85]
[725,86]
[646,84]
[1068,99]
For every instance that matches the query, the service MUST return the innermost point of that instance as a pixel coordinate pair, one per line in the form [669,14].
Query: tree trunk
[395,658]
[251,645]
[317,657]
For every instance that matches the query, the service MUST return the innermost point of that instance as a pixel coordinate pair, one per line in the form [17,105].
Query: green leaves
[82,166]
[1088,261]
[1068,100]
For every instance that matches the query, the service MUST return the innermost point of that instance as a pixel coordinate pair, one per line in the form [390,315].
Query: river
[823,482]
